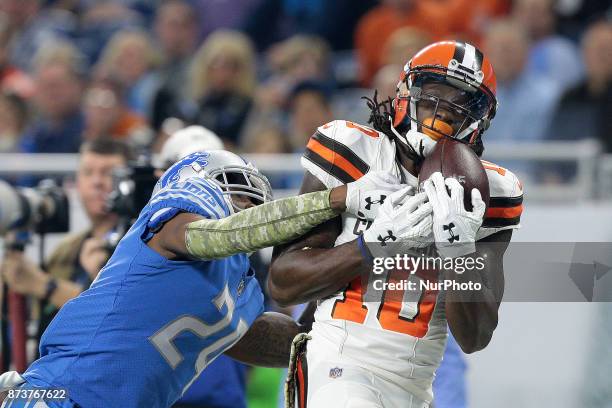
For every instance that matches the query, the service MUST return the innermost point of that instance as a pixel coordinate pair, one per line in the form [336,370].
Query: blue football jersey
[145,329]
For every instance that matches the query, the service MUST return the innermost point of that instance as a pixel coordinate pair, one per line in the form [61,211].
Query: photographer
[79,257]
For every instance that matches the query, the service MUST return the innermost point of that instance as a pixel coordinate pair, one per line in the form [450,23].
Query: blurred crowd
[263,74]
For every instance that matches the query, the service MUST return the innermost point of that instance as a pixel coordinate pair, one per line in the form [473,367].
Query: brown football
[457,160]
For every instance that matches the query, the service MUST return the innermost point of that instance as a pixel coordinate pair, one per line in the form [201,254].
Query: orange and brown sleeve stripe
[503,212]
[335,158]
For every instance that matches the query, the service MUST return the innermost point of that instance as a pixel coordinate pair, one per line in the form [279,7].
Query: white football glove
[365,196]
[403,220]
[454,227]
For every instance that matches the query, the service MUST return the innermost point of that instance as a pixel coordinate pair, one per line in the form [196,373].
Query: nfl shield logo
[335,372]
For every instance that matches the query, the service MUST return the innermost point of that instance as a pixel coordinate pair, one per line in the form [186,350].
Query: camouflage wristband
[269,224]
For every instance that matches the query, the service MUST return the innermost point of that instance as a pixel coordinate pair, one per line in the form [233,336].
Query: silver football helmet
[237,176]
[230,172]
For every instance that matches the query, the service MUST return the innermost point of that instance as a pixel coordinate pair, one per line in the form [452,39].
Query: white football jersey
[402,340]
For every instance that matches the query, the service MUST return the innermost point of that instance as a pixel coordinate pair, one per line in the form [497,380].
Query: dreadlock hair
[478,147]
[380,119]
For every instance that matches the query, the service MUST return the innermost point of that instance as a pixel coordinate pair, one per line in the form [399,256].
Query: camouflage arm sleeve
[269,224]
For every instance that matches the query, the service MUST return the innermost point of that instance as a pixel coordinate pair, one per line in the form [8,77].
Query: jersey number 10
[401,311]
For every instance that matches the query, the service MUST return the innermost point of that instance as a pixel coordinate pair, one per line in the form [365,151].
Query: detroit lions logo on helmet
[188,166]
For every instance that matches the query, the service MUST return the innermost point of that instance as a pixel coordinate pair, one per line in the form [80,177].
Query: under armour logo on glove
[389,237]
[369,201]
[361,194]
[454,227]
[449,228]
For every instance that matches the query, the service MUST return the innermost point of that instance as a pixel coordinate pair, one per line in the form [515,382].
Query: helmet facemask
[418,110]
[242,181]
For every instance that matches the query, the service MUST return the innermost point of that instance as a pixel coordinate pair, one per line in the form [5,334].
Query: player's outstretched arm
[267,343]
[192,236]
[472,316]
[310,267]
[273,223]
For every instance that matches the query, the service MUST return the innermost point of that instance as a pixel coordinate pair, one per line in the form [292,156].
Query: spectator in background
[269,137]
[176,29]
[297,59]
[526,101]
[439,18]
[309,108]
[144,8]
[222,82]
[33,28]
[385,81]
[399,48]
[585,110]
[271,21]
[130,58]
[107,116]
[99,21]
[58,80]
[576,15]
[483,13]
[13,120]
[403,44]
[12,79]
[266,138]
[550,55]
[223,14]
[76,261]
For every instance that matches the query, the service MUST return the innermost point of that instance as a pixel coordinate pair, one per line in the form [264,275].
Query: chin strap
[401,143]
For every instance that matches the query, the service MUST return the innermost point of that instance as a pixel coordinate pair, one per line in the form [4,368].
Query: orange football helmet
[459,65]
